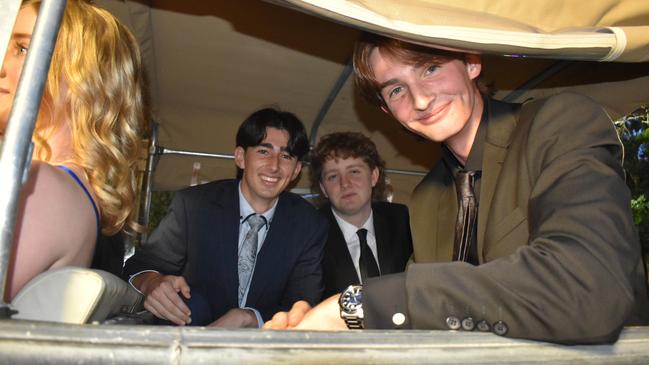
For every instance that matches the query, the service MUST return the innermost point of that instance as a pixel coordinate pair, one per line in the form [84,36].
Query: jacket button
[500,328]
[468,324]
[453,323]
[398,319]
[483,326]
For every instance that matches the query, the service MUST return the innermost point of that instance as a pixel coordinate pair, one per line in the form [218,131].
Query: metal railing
[15,156]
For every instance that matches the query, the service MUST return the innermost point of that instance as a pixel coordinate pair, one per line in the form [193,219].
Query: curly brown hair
[342,145]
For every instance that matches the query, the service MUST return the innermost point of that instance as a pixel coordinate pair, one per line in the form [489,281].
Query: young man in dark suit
[368,236]
[523,228]
[231,253]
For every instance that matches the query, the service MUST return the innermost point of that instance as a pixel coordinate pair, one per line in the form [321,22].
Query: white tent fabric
[212,63]
[598,30]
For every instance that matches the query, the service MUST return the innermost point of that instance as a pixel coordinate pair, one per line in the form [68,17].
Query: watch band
[351,307]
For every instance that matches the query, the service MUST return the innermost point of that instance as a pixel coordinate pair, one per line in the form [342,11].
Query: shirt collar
[349,230]
[245,209]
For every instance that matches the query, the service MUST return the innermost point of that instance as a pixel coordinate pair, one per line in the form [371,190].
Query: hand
[161,296]
[237,318]
[324,317]
[290,319]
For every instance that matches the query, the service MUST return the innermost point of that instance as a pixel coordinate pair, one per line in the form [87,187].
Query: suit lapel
[223,249]
[501,124]
[344,265]
[273,250]
[383,246]
[447,206]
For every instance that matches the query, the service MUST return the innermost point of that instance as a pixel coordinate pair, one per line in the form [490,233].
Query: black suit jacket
[393,241]
[198,239]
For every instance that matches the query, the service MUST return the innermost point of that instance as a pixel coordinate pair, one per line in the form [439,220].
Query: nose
[421,97]
[345,181]
[273,162]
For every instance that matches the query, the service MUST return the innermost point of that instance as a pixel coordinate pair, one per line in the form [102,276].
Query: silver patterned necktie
[248,253]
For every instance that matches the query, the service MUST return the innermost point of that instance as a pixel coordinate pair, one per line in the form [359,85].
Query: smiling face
[14,60]
[438,101]
[348,183]
[267,169]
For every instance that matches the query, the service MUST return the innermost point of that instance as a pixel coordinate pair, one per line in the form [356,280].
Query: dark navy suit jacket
[198,239]
[393,241]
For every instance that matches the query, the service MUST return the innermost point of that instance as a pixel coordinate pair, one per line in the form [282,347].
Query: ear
[375,176]
[239,157]
[385,109]
[473,65]
[296,171]
[324,192]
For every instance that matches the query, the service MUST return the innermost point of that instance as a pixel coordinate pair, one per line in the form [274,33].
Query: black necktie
[466,215]
[366,263]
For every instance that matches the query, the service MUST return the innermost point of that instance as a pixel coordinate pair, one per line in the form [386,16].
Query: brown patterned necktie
[366,262]
[466,215]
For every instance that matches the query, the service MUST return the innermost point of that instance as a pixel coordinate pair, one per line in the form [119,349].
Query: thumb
[180,285]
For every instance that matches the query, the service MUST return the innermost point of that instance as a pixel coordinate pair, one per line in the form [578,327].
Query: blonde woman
[87,140]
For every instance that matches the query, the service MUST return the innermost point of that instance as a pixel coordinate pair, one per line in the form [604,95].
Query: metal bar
[14,157]
[151,163]
[169,151]
[8,12]
[406,172]
[536,80]
[24,342]
[344,75]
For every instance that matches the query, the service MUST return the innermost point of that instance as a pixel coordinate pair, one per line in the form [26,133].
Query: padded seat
[75,295]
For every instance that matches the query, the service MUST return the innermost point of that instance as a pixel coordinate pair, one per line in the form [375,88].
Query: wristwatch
[351,307]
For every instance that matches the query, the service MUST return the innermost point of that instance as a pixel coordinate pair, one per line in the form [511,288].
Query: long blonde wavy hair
[96,81]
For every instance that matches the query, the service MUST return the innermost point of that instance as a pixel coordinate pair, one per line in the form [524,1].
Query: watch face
[351,298]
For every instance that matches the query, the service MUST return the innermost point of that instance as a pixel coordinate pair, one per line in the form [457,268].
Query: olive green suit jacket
[559,256]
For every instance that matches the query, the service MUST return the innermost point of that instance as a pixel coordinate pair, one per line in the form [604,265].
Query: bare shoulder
[49,185]
[55,202]
[55,225]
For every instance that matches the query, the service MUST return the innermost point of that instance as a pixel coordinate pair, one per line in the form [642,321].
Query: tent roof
[212,63]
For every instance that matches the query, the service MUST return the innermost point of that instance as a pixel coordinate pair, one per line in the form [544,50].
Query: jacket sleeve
[306,282]
[166,249]
[576,278]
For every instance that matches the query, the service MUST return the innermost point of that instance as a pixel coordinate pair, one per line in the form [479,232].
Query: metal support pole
[535,81]
[15,157]
[151,164]
[333,94]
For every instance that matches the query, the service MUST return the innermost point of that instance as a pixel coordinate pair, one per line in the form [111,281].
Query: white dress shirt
[353,242]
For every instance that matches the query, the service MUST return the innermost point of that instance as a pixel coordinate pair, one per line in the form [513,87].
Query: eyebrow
[385,84]
[21,35]
[270,145]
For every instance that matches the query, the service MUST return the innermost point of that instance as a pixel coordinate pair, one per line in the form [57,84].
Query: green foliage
[160,201]
[634,133]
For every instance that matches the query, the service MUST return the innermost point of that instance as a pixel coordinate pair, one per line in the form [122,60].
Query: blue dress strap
[85,190]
